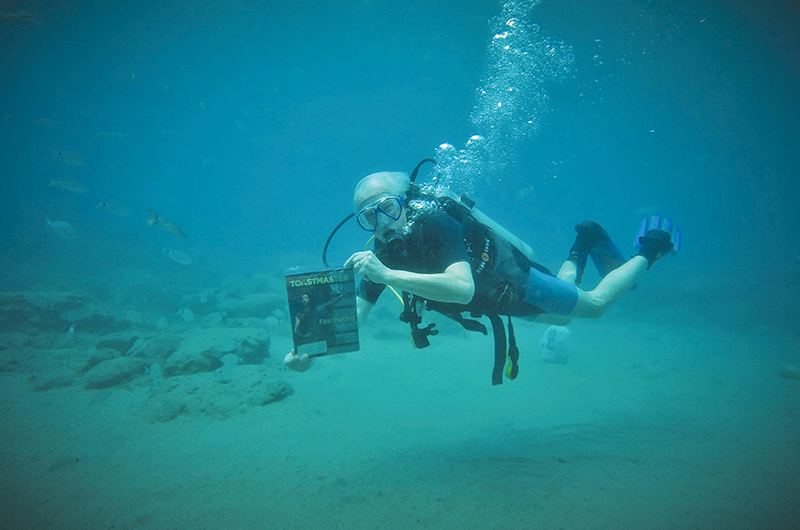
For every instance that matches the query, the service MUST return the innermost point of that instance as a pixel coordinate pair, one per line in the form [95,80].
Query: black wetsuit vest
[447,235]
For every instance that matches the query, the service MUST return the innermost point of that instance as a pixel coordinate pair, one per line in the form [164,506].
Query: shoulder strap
[500,350]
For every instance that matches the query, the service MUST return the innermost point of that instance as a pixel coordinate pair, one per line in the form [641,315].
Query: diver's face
[383,214]
[387,226]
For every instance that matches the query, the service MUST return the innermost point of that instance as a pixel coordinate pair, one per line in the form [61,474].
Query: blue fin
[656,222]
[606,256]
[593,240]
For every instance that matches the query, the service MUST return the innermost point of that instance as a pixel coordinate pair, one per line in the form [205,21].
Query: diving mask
[391,207]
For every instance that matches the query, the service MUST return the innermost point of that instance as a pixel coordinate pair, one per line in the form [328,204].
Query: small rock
[104,354]
[113,372]
[155,349]
[202,394]
[51,379]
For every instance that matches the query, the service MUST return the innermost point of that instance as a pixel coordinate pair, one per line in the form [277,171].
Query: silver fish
[186,314]
[113,135]
[114,209]
[178,256]
[71,158]
[46,123]
[62,229]
[165,224]
[19,16]
[74,187]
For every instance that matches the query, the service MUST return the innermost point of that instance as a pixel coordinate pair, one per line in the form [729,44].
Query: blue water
[682,108]
[247,124]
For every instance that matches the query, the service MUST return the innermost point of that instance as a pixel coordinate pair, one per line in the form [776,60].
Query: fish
[114,209]
[178,256]
[113,135]
[186,314]
[214,318]
[165,224]
[153,218]
[62,230]
[46,123]
[224,374]
[71,330]
[71,158]
[647,211]
[19,16]
[74,187]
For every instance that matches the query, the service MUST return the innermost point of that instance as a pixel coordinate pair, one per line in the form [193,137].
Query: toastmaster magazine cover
[322,307]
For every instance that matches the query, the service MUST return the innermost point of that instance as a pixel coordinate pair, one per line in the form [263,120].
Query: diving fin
[606,256]
[657,237]
[593,241]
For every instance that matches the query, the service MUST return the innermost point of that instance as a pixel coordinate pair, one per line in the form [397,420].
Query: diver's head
[379,203]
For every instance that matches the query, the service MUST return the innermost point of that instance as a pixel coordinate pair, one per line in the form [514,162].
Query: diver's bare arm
[454,285]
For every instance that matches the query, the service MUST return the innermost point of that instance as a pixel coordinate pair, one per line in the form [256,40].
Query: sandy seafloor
[663,417]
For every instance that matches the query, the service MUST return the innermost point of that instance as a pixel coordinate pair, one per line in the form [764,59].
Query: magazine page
[322,310]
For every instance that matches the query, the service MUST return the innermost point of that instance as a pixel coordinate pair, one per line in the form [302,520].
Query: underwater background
[164,162]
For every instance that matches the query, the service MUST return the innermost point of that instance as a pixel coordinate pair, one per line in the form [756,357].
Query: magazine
[322,310]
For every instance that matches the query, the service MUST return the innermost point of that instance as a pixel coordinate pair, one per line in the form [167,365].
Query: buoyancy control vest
[500,270]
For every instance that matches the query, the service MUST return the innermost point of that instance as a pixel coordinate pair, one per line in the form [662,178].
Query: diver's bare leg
[568,272]
[592,304]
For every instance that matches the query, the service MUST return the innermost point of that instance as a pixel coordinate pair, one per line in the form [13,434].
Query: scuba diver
[446,256]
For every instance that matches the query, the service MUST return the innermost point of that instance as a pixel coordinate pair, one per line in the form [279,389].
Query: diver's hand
[297,363]
[367,265]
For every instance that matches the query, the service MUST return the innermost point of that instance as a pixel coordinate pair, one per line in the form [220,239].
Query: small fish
[46,123]
[71,158]
[62,229]
[114,209]
[165,224]
[19,16]
[186,314]
[74,187]
[113,135]
[153,218]
[214,318]
[647,211]
[224,374]
[71,330]
[170,134]
[178,256]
